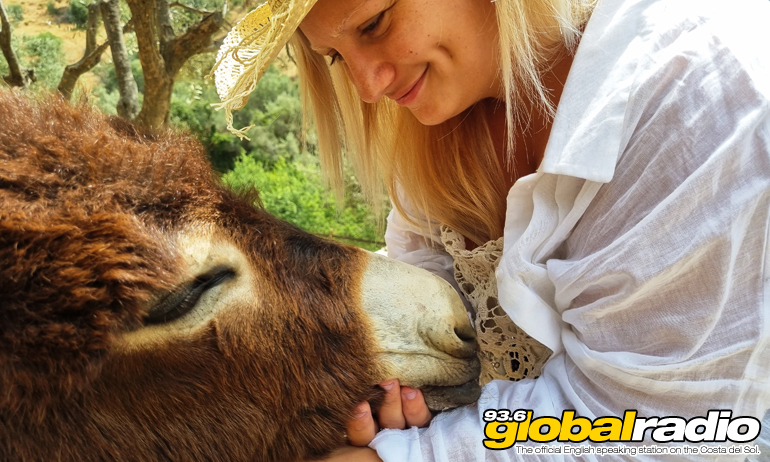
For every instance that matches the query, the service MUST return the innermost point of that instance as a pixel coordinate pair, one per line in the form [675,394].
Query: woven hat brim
[250,47]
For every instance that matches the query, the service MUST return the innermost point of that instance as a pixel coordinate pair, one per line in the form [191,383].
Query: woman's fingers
[362,427]
[415,411]
[402,407]
[390,414]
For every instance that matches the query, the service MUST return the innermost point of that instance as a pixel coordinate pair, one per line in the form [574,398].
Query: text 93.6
[505,415]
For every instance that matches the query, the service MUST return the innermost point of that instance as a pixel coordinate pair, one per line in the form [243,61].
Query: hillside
[37,19]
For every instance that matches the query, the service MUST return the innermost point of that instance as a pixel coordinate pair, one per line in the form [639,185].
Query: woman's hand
[403,407]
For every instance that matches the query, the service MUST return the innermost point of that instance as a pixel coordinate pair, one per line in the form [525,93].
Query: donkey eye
[182,300]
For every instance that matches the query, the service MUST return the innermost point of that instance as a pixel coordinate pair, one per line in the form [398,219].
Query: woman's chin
[430,116]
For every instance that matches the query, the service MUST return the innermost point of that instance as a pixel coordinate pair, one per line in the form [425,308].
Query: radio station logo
[504,428]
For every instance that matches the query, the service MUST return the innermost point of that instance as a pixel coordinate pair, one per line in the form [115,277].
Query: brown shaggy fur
[88,210]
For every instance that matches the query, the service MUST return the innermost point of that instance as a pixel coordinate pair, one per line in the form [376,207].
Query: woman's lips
[411,95]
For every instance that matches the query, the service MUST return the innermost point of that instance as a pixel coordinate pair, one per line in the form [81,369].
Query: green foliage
[197,68]
[110,79]
[107,102]
[181,18]
[15,12]
[191,110]
[294,192]
[51,8]
[275,161]
[273,109]
[43,53]
[78,13]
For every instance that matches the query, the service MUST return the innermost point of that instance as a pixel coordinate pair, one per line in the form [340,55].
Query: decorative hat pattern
[250,47]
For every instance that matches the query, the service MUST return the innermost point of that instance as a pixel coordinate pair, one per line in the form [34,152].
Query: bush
[15,13]
[78,13]
[274,110]
[44,54]
[106,101]
[191,110]
[295,193]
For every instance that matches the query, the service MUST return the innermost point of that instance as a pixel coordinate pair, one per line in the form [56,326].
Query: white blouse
[638,252]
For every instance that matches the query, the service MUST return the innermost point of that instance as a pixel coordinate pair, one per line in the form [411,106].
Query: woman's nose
[371,75]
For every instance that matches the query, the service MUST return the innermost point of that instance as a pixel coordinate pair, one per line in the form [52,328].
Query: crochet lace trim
[505,351]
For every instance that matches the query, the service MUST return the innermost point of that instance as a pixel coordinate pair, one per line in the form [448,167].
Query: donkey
[149,313]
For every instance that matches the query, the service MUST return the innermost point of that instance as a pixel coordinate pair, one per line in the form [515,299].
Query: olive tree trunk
[18,77]
[162,53]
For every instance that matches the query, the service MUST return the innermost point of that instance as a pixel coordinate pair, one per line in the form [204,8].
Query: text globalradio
[504,428]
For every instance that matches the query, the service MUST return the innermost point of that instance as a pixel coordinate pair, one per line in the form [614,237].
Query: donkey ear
[69,281]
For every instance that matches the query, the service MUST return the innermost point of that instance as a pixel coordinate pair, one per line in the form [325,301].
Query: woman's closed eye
[371,27]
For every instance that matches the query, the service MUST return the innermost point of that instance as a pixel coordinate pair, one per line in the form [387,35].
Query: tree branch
[163,54]
[19,77]
[92,23]
[197,39]
[129,27]
[213,47]
[73,71]
[91,56]
[128,105]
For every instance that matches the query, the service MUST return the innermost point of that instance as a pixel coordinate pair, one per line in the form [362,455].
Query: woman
[634,217]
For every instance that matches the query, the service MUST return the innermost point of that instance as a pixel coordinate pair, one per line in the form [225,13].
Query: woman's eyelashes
[370,28]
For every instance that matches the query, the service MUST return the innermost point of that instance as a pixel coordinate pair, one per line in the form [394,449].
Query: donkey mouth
[444,398]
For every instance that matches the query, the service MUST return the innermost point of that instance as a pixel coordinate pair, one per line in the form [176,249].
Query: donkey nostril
[465,333]
[461,345]
[464,329]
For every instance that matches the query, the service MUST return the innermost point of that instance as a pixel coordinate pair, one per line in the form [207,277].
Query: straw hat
[249,49]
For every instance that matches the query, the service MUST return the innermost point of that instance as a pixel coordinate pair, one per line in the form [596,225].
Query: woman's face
[435,57]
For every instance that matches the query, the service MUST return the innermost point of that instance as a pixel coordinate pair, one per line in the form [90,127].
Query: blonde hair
[449,172]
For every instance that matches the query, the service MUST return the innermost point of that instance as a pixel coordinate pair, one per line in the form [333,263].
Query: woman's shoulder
[656,69]
[650,32]
[682,32]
